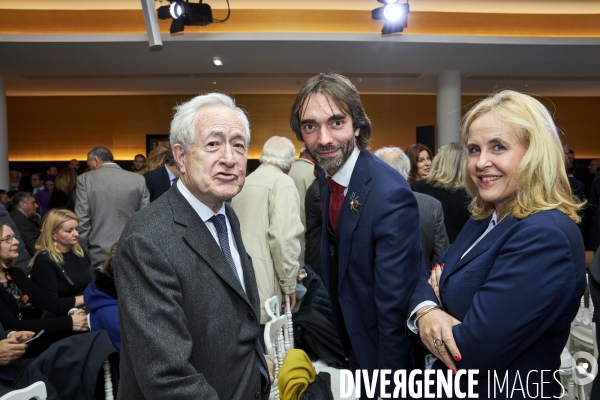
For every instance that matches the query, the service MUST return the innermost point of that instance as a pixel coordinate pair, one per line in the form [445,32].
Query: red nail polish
[457,357]
[453,371]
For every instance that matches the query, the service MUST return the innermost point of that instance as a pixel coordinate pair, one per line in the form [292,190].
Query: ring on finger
[434,286]
[437,342]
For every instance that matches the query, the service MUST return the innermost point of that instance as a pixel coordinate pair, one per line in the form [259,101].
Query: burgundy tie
[336,199]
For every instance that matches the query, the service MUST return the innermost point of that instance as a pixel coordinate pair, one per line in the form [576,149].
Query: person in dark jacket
[446,183]
[101,300]
[19,295]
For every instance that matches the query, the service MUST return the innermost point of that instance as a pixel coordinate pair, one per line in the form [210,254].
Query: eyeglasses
[8,239]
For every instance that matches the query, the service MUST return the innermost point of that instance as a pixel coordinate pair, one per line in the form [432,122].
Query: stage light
[176,9]
[217,61]
[185,13]
[395,15]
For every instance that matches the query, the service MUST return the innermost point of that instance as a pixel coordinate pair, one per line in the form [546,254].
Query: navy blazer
[516,293]
[379,263]
[158,182]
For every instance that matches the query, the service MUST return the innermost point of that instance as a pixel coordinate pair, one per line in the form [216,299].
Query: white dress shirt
[205,213]
[343,175]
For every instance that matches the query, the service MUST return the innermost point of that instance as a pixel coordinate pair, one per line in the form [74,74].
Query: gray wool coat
[189,331]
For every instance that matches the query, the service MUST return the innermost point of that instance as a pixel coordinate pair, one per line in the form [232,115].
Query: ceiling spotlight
[217,61]
[186,13]
[395,15]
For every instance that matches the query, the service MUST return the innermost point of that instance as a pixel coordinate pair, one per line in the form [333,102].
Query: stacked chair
[279,339]
[582,335]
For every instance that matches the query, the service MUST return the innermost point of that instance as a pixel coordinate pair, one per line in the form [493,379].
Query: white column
[448,108]
[4,184]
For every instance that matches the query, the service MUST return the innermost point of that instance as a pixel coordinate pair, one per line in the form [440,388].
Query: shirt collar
[345,173]
[202,209]
[494,220]
[171,175]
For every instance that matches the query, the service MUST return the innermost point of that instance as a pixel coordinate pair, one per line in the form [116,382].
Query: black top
[67,280]
[455,206]
[9,309]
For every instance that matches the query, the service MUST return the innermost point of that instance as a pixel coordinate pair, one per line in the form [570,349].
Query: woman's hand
[434,280]
[80,322]
[435,330]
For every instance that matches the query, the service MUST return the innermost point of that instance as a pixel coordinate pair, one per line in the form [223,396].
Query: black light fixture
[185,13]
[395,14]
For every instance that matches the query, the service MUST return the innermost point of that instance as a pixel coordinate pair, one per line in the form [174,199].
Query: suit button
[257,395]
[250,316]
[281,281]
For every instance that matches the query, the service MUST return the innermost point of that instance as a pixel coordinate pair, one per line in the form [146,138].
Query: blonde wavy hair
[448,167]
[45,244]
[66,180]
[11,262]
[156,158]
[542,182]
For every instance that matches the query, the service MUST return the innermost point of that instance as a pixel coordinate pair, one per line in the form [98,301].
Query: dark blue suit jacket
[516,293]
[379,264]
[158,182]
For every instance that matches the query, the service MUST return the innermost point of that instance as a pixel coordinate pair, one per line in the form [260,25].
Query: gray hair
[21,197]
[182,126]
[278,151]
[395,158]
[102,153]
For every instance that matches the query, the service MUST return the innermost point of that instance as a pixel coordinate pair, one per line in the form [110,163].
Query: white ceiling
[279,63]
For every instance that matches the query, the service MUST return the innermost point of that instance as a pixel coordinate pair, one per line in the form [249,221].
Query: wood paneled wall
[61,128]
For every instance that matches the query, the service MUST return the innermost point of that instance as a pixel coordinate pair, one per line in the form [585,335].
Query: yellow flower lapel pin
[354,204]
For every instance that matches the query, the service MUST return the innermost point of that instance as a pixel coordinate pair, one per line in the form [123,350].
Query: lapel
[484,244]
[347,220]
[247,269]
[202,242]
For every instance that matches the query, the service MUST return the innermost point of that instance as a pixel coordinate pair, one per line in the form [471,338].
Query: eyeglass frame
[9,239]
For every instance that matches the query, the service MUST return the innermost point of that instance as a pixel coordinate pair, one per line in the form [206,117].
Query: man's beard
[334,162]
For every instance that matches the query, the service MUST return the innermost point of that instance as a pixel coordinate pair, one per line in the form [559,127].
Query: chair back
[277,343]
[35,391]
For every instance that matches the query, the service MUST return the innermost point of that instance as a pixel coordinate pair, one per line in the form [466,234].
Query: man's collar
[171,175]
[202,209]
[344,174]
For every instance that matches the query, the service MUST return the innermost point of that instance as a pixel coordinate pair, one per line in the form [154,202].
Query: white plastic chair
[273,309]
[35,391]
[583,330]
[276,338]
[108,386]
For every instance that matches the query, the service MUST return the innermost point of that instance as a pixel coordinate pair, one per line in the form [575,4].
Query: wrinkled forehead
[219,120]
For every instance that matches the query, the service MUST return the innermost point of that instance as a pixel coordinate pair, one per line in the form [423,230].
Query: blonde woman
[507,290]
[60,266]
[446,183]
[20,298]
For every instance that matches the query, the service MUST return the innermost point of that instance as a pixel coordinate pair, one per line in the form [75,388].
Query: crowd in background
[60,228]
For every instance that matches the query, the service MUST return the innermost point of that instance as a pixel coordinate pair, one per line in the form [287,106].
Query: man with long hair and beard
[370,246]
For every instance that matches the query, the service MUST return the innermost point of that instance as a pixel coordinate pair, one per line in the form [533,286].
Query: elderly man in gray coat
[188,301]
[107,197]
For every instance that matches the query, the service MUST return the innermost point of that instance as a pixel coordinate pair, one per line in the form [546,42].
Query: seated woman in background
[60,267]
[19,295]
[101,300]
[446,182]
[420,162]
[63,195]
[513,279]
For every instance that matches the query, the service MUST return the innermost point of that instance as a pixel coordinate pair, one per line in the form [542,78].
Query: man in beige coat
[268,208]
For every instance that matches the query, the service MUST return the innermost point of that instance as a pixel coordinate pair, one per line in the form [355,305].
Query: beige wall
[61,128]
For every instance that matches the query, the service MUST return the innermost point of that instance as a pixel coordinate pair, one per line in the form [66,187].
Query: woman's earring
[55,246]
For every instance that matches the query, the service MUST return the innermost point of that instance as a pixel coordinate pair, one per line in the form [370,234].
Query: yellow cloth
[295,375]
